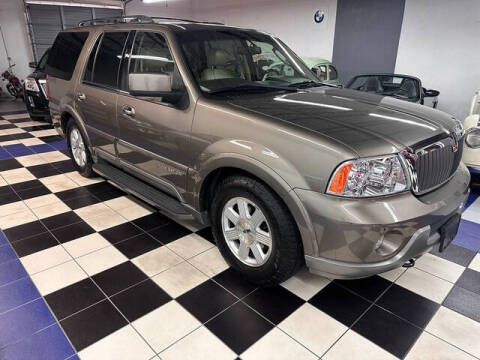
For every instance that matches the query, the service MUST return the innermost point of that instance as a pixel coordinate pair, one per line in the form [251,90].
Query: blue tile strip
[28,329]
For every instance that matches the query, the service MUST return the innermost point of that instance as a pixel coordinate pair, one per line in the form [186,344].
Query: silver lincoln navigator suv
[229,127]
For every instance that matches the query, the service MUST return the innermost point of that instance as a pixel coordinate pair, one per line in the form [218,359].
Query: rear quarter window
[64,54]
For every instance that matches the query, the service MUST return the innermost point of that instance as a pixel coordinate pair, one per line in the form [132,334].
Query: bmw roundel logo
[319,16]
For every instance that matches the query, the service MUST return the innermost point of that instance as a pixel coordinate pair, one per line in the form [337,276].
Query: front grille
[435,164]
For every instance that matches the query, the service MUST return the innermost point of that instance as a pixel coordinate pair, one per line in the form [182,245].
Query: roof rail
[139,19]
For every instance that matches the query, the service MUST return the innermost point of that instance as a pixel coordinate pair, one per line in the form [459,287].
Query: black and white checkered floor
[87,271]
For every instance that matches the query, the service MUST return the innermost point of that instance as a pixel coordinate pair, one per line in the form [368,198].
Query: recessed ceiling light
[151,1]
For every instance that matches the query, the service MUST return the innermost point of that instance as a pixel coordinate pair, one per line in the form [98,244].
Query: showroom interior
[262,179]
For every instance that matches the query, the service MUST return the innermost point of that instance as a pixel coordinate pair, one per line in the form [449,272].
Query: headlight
[31,85]
[369,177]
[458,130]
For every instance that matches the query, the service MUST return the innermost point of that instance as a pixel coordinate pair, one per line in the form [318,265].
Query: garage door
[45,21]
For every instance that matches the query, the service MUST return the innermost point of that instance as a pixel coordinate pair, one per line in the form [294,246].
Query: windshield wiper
[306,84]
[247,87]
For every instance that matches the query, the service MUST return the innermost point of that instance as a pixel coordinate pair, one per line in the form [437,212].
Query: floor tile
[17,175]
[105,221]
[25,185]
[475,264]
[171,232]
[122,344]
[151,221]
[470,280]
[219,300]
[101,260]
[34,244]
[92,324]
[33,192]
[408,305]
[51,343]
[274,303]
[464,301]
[457,254]
[353,346]
[73,298]
[437,266]
[239,327]
[140,299]
[82,201]
[57,221]
[425,284]
[201,344]
[156,261]
[135,212]
[119,277]
[233,282]
[120,232]
[304,284]
[58,277]
[370,288]
[11,271]
[429,347]
[45,259]
[121,202]
[72,193]
[305,325]
[209,262]
[85,244]
[165,325]
[16,294]
[31,160]
[50,210]
[339,303]
[72,232]
[42,200]
[456,329]
[12,208]
[17,219]
[23,231]
[7,195]
[6,254]
[137,245]
[41,171]
[393,274]
[189,245]
[387,331]
[24,321]
[179,279]
[9,164]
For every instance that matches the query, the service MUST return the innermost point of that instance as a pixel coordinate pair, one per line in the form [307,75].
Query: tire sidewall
[85,170]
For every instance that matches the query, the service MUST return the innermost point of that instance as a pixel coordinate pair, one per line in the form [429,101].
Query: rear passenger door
[96,93]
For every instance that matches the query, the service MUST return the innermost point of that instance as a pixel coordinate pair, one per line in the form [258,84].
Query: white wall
[12,21]
[169,8]
[440,43]
[291,20]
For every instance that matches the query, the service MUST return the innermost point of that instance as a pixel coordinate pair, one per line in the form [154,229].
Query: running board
[143,191]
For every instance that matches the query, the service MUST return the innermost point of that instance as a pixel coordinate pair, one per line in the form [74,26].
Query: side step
[142,190]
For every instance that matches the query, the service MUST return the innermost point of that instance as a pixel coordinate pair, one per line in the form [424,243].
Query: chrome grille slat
[435,164]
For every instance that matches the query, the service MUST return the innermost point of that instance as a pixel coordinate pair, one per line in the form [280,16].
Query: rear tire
[79,152]
[267,251]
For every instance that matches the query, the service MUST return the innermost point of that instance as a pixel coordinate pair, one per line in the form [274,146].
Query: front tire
[254,231]
[78,149]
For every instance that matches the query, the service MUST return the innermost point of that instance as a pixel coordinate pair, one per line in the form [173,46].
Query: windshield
[238,59]
[389,85]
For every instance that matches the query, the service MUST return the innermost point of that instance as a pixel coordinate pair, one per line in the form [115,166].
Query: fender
[68,108]
[266,174]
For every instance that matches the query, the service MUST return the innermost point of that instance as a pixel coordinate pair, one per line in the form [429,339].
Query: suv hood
[368,124]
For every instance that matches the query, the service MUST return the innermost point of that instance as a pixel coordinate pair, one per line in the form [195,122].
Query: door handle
[81,96]
[129,110]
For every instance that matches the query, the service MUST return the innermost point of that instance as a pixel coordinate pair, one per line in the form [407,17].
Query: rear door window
[108,58]
[64,54]
[87,76]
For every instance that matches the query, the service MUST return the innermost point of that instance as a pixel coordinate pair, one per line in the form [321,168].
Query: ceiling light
[151,1]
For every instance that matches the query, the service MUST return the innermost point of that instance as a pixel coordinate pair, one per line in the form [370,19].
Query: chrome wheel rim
[78,147]
[246,231]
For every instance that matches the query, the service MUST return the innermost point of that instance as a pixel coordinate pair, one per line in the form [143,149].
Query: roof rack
[140,19]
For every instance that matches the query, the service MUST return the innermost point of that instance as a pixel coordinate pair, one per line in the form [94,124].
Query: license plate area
[448,232]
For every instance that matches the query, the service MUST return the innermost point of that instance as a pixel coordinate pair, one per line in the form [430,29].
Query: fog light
[389,242]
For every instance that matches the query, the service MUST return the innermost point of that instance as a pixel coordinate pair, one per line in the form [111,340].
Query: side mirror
[167,87]
[472,137]
[431,93]
[32,64]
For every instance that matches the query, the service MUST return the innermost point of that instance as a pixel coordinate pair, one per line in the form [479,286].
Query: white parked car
[471,157]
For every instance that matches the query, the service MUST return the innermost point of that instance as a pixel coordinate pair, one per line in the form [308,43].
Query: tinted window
[151,54]
[91,60]
[64,54]
[108,58]
[333,73]
[43,61]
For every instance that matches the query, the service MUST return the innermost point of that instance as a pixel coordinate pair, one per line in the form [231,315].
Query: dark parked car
[402,87]
[36,92]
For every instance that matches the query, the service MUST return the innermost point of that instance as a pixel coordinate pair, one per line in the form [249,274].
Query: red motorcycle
[14,85]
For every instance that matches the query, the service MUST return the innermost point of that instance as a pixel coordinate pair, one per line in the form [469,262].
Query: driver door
[153,134]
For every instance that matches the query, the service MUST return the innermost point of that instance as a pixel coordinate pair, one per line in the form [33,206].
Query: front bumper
[37,104]
[361,237]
